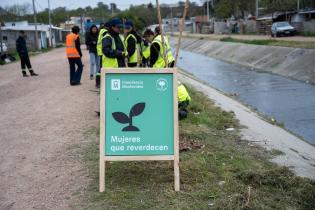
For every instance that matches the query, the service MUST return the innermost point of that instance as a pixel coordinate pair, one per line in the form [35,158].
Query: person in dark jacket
[102,32]
[148,37]
[132,42]
[114,53]
[156,51]
[91,42]
[23,54]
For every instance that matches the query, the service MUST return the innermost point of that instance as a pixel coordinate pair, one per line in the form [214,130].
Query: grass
[272,42]
[308,34]
[227,173]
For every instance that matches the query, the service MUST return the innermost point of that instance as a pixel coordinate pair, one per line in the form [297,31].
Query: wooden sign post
[138,117]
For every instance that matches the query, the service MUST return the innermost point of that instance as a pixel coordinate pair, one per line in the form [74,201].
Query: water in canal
[288,101]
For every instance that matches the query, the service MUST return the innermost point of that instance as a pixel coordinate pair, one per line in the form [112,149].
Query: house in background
[76,21]
[303,20]
[10,32]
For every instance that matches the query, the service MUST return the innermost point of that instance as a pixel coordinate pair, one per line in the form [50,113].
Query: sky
[72,4]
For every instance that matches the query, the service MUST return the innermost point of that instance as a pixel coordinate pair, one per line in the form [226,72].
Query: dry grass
[224,174]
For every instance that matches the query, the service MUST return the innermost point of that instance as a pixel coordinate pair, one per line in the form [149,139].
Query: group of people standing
[116,44]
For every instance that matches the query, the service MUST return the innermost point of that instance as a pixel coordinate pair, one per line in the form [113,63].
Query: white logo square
[115,84]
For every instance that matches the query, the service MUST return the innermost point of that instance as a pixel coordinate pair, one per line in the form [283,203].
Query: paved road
[42,118]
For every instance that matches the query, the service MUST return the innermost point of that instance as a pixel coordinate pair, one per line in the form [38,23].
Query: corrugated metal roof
[23,28]
[307,11]
[29,27]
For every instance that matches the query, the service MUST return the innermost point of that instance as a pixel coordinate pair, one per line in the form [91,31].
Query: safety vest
[170,57]
[110,62]
[100,38]
[71,50]
[145,50]
[182,94]
[134,57]
[160,63]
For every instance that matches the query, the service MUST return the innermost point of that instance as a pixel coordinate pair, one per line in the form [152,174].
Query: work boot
[33,73]
[24,74]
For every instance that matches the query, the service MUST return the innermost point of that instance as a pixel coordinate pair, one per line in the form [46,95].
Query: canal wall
[294,63]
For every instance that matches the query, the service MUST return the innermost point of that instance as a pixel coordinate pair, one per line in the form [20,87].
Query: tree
[237,8]
[6,15]
[113,6]
[272,6]
[19,9]
[307,3]
[141,15]
[225,8]
[150,6]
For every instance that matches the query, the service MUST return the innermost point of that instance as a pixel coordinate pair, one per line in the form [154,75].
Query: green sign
[139,119]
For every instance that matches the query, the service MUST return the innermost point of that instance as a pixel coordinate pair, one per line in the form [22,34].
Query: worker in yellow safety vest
[183,101]
[132,42]
[158,52]
[113,48]
[148,37]
[102,32]
[74,55]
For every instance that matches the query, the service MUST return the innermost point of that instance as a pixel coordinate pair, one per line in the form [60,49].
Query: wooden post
[102,133]
[169,157]
[176,135]
[181,31]
[161,32]
[35,22]
[125,36]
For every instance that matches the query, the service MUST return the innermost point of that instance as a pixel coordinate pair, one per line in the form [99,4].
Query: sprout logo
[161,84]
[122,118]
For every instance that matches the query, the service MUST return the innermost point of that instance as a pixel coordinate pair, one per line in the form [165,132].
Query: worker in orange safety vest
[74,55]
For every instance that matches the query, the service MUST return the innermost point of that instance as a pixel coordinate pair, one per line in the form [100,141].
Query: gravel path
[251,37]
[42,118]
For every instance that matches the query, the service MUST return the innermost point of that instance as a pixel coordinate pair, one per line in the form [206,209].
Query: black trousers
[75,74]
[183,104]
[171,65]
[182,109]
[101,63]
[25,61]
[132,65]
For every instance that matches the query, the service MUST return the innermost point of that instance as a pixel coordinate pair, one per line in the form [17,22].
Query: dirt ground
[41,119]
[252,37]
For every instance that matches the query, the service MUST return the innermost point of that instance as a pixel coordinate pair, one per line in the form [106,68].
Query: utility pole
[50,31]
[182,26]
[1,41]
[112,8]
[81,21]
[257,9]
[172,21]
[161,32]
[298,5]
[208,15]
[35,22]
